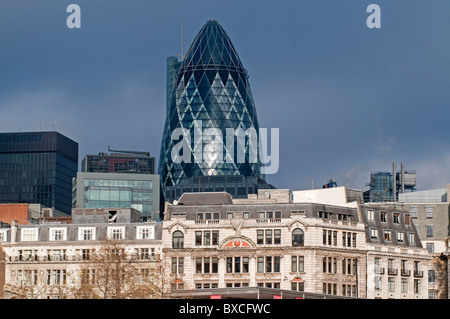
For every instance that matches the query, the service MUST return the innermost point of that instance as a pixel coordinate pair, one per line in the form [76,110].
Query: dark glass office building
[38,167]
[210,87]
[126,162]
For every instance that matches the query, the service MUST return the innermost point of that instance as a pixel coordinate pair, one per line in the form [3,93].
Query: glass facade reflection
[119,163]
[37,168]
[113,190]
[211,85]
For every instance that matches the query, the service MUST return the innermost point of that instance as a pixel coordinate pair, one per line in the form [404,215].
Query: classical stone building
[49,256]
[430,211]
[213,241]
[274,242]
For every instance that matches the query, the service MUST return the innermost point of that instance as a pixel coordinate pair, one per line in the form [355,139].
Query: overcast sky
[348,100]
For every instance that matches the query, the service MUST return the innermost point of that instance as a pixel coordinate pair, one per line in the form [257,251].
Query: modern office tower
[119,162]
[208,94]
[37,168]
[173,65]
[118,190]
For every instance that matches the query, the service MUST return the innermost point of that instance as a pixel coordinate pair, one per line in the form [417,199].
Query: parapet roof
[215,198]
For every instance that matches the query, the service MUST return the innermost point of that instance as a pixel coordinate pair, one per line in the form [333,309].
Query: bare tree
[110,273]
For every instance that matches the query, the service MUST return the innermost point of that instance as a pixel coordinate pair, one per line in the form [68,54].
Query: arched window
[177,239]
[297,237]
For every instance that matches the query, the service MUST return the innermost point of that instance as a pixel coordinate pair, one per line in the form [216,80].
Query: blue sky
[348,100]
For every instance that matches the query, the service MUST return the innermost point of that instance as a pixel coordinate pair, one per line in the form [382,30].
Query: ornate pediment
[176,226]
[297,224]
[237,242]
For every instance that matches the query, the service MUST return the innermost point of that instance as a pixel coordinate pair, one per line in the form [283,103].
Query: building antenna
[181,39]
[181,53]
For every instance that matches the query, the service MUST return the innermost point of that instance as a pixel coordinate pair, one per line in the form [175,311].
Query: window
[377,282]
[416,286]
[116,233]
[412,238]
[86,233]
[297,264]
[373,233]
[215,237]
[329,289]
[145,232]
[330,237]
[144,253]
[27,255]
[396,218]
[27,277]
[237,264]
[431,276]
[277,238]
[298,285]
[391,268]
[407,219]
[56,277]
[391,284]
[370,215]
[198,238]
[56,254]
[198,265]
[430,247]
[3,234]
[429,230]
[85,254]
[387,235]
[400,237]
[417,268]
[178,240]
[349,290]
[297,237]
[383,216]
[414,211]
[29,234]
[57,234]
[177,265]
[260,268]
[207,238]
[429,211]
[378,269]
[269,264]
[215,265]
[348,239]
[404,284]
[269,236]
[349,266]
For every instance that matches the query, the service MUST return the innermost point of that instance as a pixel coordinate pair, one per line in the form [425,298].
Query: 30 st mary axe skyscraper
[208,88]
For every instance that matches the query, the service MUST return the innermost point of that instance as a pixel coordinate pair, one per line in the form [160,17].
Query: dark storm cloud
[347,99]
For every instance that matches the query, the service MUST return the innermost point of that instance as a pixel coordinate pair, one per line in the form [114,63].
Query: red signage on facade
[215,297]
